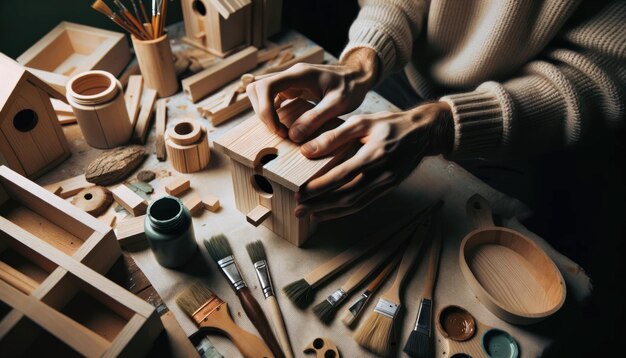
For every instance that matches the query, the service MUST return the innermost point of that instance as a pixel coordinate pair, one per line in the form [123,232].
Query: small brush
[375,333]
[136,11]
[326,309]
[208,311]
[256,251]
[419,344]
[352,314]
[130,18]
[103,8]
[144,13]
[219,249]
[300,292]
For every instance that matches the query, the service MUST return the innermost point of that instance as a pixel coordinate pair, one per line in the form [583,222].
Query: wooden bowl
[507,271]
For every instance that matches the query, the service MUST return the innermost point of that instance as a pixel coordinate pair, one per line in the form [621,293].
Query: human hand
[337,89]
[393,145]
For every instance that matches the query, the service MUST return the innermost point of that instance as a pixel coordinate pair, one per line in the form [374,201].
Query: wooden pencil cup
[156,63]
[97,99]
[187,147]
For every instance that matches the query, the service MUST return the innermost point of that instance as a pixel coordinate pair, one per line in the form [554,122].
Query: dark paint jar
[169,230]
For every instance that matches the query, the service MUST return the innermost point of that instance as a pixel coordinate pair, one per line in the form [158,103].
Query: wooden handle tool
[257,317]
[279,325]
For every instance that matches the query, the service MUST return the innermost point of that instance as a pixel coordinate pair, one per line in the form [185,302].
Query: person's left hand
[393,145]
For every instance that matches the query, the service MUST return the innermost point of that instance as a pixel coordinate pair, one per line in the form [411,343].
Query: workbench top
[435,178]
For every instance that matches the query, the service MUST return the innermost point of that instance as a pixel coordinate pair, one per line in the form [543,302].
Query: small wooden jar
[187,147]
[97,99]
[156,63]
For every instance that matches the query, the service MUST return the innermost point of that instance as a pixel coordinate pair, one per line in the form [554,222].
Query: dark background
[577,195]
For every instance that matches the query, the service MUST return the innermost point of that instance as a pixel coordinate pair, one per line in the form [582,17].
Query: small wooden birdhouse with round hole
[31,138]
[268,170]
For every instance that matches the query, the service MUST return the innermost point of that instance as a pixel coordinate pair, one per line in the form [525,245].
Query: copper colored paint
[457,323]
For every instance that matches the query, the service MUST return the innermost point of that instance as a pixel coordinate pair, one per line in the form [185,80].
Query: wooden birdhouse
[268,170]
[31,138]
[218,26]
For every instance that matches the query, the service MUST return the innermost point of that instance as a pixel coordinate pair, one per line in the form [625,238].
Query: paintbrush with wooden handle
[209,311]
[219,249]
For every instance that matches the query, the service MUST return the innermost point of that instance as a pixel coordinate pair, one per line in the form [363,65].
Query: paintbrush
[256,251]
[144,13]
[219,249]
[129,17]
[354,311]
[103,8]
[419,344]
[375,333]
[210,312]
[300,292]
[326,309]
[136,11]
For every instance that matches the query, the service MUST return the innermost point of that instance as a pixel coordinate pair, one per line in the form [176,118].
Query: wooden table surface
[435,178]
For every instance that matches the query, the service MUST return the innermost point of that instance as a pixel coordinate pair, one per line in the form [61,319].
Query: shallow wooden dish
[508,272]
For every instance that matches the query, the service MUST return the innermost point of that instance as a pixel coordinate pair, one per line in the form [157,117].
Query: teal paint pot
[499,344]
[169,230]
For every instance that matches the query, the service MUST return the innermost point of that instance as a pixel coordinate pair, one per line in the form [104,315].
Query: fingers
[328,108]
[327,142]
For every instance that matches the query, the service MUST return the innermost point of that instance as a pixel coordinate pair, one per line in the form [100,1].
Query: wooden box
[70,49]
[218,26]
[54,300]
[31,138]
[267,170]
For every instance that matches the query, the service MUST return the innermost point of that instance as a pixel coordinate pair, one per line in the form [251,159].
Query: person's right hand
[337,89]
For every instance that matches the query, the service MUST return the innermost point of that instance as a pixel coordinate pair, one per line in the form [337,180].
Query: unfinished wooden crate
[31,138]
[54,300]
[70,49]
[218,26]
[267,170]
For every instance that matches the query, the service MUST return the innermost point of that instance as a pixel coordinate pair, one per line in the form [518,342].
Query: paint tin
[169,230]
[458,324]
[499,344]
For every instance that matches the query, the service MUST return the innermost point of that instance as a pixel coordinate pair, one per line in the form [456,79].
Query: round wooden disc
[184,133]
[94,200]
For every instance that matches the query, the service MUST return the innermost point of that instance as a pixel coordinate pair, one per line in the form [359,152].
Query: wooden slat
[132,96]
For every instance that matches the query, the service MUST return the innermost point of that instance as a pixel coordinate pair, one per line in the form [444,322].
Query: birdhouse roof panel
[229,7]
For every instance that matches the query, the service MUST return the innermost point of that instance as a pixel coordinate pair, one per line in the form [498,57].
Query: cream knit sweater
[518,75]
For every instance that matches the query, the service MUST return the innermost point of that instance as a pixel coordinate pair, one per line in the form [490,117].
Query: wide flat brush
[354,311]
[210,312]
[256,251]
[375,333]
[326,309]
[219,249]
[300,292]
[419,344]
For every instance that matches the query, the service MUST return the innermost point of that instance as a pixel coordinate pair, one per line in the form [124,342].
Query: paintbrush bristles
[194,297]
[418,345]
[218,247]
[325,311]
[102,8]
[299,292]
[375,333]
[256,251]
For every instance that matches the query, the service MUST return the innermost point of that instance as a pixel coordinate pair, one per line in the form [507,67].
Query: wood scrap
[61,107]
[271,53]
[132,202]
[94,200]
[314,54]
[161,123]
[69,187]
[144,119]
[65,119]
[177,186]
[115,165]
[131,231]
[211,202]
[193,202]
[132,97]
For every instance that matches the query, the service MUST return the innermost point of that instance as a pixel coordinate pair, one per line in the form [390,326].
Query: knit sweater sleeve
[389,27]
[555,99]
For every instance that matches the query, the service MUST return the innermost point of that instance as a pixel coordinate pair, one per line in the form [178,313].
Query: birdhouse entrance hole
[199,7]
[25,120]
[259,182]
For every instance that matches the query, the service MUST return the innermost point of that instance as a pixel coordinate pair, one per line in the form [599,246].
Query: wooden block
[177,186]
[61,107]
[65,119]
[161,123]
[145,115]
[132,96]
[131,231]
[219,113]
[193,202]
[69,187]
[132,202]
[211,202]
[187,147]
[70,49]
[258,214]
[203,83]
[178,341]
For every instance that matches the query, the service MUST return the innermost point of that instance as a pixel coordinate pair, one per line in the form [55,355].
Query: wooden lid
[252,143]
